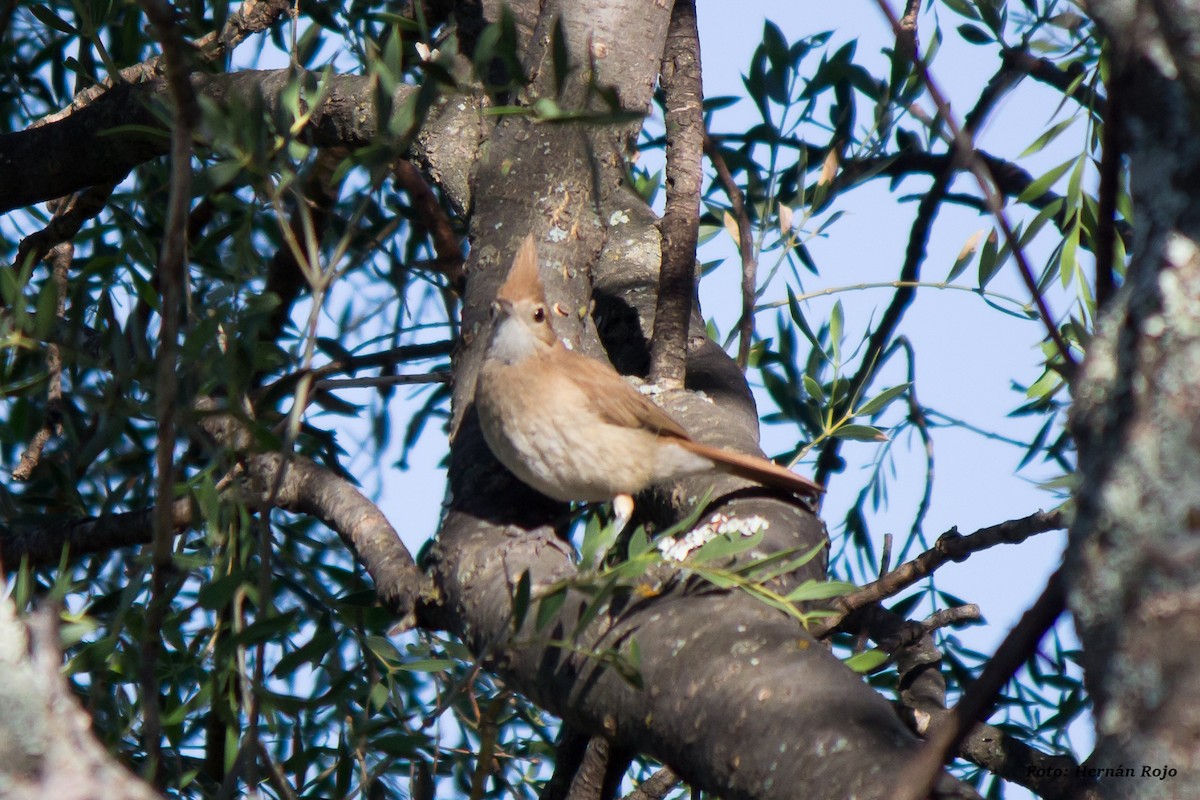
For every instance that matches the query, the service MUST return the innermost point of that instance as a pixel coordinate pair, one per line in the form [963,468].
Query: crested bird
[571,427]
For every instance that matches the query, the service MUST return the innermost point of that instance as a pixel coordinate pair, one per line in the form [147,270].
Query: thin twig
[965,145]
[917,778]
[916,415]
[275,774]
[253,16]
[656,787]
[489,733]
[435,219]
[914,255]
[737,203]
[312,205]
[950,546]
[383,380]
[948,617]
[684,114]
[60,263]
[172,275]
[69,215]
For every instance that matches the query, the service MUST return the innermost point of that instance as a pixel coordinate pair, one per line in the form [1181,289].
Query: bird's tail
[755,469]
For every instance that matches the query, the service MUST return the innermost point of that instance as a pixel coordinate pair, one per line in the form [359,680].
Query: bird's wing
[615,401]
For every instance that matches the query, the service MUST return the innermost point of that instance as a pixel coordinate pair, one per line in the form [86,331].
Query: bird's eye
[493,310]
[539,314]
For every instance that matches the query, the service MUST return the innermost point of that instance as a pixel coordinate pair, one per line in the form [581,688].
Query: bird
[571,427]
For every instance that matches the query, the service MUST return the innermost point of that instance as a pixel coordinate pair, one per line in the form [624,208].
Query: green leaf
[1047,137]
[989,261]
[1043,183]
[860,433]
[1070,249]
[975,34]
[47,309]
[882,400]
[639,543]
[521,601]
[263,630]
[217,594]
[383,649]
[47,17]
[819,590]
[725,545]
[428,665]
[548,608]
[813,389]
[863,663]
[597,540]
[836,323]
[798,317]
[961,7]
[969,248]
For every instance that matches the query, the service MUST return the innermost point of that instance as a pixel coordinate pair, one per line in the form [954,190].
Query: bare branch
[346,117]
[436,221]
[588,783]
[253,17]
[68,218]
[950,546]
[60,259]
[949,617]
[684,114]
[965,148]
[919,775]
[296,483]
[43,545]
[172,275]
[656,787]
[737,201]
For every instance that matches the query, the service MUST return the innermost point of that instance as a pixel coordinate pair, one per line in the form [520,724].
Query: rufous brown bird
[570,426]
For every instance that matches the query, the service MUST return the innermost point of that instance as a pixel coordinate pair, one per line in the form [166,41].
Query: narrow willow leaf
[860,433]
[866,662]
[882,400]
[965,255]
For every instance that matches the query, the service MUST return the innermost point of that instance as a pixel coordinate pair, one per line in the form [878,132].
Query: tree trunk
[1133,567]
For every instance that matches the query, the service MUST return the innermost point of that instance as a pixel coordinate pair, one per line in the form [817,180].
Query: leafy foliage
[272,627]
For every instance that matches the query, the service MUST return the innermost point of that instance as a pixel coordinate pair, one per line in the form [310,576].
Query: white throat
[512,342]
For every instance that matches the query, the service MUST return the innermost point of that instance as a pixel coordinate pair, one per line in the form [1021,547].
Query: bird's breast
[539,425]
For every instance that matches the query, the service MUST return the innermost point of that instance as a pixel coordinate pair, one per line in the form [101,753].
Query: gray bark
[1134,567]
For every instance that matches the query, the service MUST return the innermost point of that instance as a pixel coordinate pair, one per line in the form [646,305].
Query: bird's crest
[523,282]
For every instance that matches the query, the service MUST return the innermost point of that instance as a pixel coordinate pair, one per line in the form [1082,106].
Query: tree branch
[656,787]
[737,201]
[922,705]
[684,104]
[918,776]
[950,546]
[296,483]
[254,16]
[172,277]
[91,155]
[965,147]
[999,85]
[60,261]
